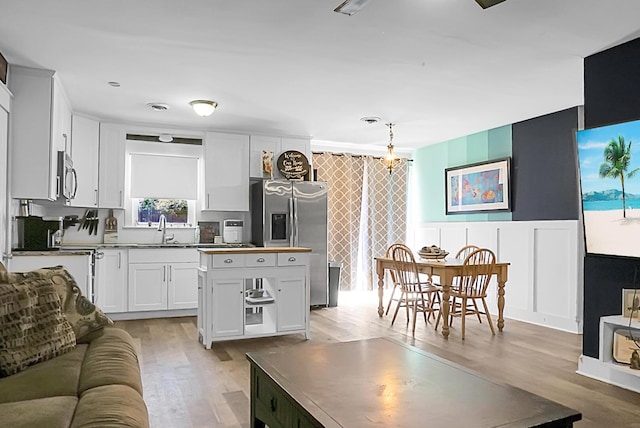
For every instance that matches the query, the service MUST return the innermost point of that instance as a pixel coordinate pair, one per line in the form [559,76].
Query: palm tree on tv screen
[617,157]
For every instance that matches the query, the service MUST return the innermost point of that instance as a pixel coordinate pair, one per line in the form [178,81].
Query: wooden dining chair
[475,274]
[455,305]
[416,296]
[389,254]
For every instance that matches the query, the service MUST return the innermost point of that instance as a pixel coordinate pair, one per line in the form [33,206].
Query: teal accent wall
[430,162]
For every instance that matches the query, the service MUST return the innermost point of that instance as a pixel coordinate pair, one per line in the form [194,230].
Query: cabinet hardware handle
[95,197]
[164,273]
[273,402]
[170,273]
[292,259]
[119,260]
[260,260]
[121,200]
[207,200]
[228,261]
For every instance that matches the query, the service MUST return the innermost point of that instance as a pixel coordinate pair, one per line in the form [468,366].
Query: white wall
[545,274]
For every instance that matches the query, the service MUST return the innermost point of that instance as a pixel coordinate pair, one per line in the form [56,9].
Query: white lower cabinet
[78,265]
[161,279]
[110,282]
[227,309]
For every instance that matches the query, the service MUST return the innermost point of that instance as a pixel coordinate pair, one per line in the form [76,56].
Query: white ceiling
[438,69]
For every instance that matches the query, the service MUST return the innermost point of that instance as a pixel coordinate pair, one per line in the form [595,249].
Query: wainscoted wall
[546,264]
[541,237]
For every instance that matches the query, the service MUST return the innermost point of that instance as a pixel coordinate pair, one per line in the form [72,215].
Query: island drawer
[292,259]
[260,259]
[228,260]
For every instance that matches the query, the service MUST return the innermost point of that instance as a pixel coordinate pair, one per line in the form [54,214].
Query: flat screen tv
[609,158]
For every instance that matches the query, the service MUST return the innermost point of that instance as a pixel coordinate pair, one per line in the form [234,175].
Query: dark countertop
[87,249]
[60,252]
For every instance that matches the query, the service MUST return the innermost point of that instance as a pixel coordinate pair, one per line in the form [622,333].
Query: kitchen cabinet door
[111,166]
[147,287]
[226,172]
[79,266]
[303,145]
[111,280]
[38,116]
[84,152]
[227,315]
[292,309]
[183,285]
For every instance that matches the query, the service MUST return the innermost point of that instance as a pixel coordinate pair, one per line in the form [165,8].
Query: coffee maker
[36,233]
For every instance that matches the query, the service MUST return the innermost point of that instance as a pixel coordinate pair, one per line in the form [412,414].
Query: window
[162,179]
[176,211]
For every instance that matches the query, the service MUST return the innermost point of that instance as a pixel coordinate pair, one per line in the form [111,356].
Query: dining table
[447,270]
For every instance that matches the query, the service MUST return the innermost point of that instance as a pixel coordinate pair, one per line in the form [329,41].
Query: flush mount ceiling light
[370,120]
[349,7]
[204,108]
[158,106]
[391,160]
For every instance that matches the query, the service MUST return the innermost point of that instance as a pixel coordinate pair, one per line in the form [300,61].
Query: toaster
[232,231]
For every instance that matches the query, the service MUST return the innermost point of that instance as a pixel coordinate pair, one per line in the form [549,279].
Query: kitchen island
[252,292]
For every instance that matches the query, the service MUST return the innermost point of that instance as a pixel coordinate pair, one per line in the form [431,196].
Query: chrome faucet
[162,226]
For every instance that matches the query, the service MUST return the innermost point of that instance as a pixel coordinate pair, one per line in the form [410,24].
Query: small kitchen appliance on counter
[39,233]
[232,231]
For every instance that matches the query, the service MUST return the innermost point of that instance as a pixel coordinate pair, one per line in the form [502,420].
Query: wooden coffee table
[383,382]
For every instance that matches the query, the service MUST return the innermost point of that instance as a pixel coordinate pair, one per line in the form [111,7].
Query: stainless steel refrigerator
[294,214]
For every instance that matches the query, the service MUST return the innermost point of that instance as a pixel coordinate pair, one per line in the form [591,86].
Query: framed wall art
[478,187]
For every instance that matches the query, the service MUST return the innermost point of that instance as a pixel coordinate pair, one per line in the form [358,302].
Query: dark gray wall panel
[612,95]
[545,182]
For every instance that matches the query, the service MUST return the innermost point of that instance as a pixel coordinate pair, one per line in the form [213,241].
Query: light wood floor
[188,386]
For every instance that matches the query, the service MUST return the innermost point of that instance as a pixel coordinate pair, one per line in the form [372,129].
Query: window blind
[164,177]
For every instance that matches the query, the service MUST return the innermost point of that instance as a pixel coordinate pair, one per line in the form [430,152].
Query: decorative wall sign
[478,187]
[293,165]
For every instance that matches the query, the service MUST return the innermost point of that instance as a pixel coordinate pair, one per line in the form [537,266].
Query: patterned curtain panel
[367,212]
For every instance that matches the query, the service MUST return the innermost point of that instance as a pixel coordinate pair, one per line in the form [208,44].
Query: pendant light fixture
[204,108]
[391,160]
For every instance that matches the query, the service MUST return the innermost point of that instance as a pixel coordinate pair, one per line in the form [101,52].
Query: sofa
[62,362]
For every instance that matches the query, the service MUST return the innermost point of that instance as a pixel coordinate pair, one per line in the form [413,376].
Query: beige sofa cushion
[32,326]
[51,412]
[111,406]
[87,319]
[111,359]
[59,376]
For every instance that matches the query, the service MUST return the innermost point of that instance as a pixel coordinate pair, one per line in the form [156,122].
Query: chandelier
[391,160]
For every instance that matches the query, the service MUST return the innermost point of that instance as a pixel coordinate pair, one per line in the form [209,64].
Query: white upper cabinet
[276,145]
[226,172]
[84,152]
[111,166]
[40,127]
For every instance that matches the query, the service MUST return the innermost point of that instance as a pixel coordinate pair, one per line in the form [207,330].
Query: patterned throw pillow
[32,326]
[87,319]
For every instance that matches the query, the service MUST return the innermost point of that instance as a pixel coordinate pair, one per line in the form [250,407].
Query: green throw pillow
[32,326]
[86,318]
